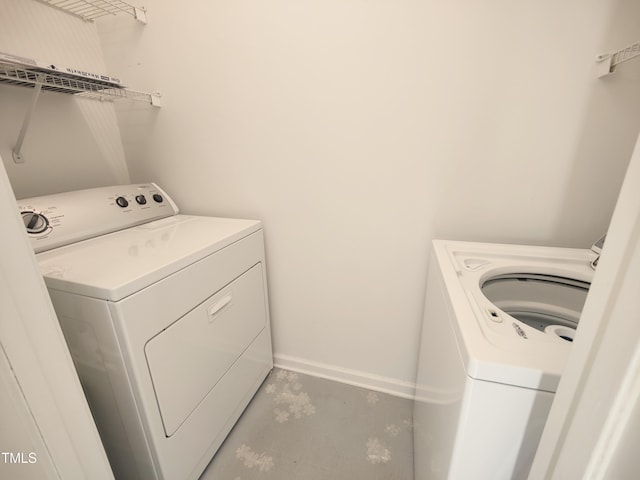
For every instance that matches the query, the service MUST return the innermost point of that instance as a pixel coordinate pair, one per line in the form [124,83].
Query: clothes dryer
[165,315]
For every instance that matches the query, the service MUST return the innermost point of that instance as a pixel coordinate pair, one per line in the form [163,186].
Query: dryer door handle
[216,309]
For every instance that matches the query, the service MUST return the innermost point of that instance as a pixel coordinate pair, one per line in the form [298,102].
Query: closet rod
[607,62]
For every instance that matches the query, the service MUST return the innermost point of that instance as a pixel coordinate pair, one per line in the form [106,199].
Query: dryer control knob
[34,222]
[141,199]
[158,198]
[122,202]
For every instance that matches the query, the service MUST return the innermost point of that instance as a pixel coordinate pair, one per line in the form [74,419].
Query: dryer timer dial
[34,222]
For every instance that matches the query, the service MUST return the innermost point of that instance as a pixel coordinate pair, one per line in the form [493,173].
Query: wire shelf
[89,10]
[627,53]
[609,61]
[40,79]
[65,83]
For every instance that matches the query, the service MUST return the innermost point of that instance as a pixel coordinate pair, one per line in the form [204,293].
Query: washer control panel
[55,220]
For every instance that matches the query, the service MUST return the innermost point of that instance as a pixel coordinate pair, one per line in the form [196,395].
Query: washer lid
[118,264]
[493,345]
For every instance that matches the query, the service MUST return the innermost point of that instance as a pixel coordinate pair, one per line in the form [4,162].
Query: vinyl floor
[299,427]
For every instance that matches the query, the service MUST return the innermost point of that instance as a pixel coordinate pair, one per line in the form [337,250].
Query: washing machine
[498,325]
[165,316]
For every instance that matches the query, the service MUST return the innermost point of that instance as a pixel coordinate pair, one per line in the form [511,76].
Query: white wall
[71,143]
[356,130]
[359,130]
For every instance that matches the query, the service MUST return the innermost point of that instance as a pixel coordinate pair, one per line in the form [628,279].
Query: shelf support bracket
[140,14]
[17,149]
[604,64]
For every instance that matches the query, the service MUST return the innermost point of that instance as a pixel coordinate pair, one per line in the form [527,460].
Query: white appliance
[497,330]
[165,316]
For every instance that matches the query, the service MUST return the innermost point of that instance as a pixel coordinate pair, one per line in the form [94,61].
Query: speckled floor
[299,427]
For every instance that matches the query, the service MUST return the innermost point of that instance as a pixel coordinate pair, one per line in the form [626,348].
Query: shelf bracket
[17,149]
[604,64]
[156,99]
[140,14]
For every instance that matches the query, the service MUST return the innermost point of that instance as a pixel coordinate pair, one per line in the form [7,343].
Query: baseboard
[356,378]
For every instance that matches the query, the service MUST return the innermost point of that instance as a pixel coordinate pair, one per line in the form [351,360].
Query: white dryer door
[188,358]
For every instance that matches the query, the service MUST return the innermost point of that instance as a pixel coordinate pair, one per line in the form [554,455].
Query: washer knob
[122,202]
[34,222]
[141,199]
[158,198]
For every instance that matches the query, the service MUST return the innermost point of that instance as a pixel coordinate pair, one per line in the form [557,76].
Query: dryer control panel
[52,221]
